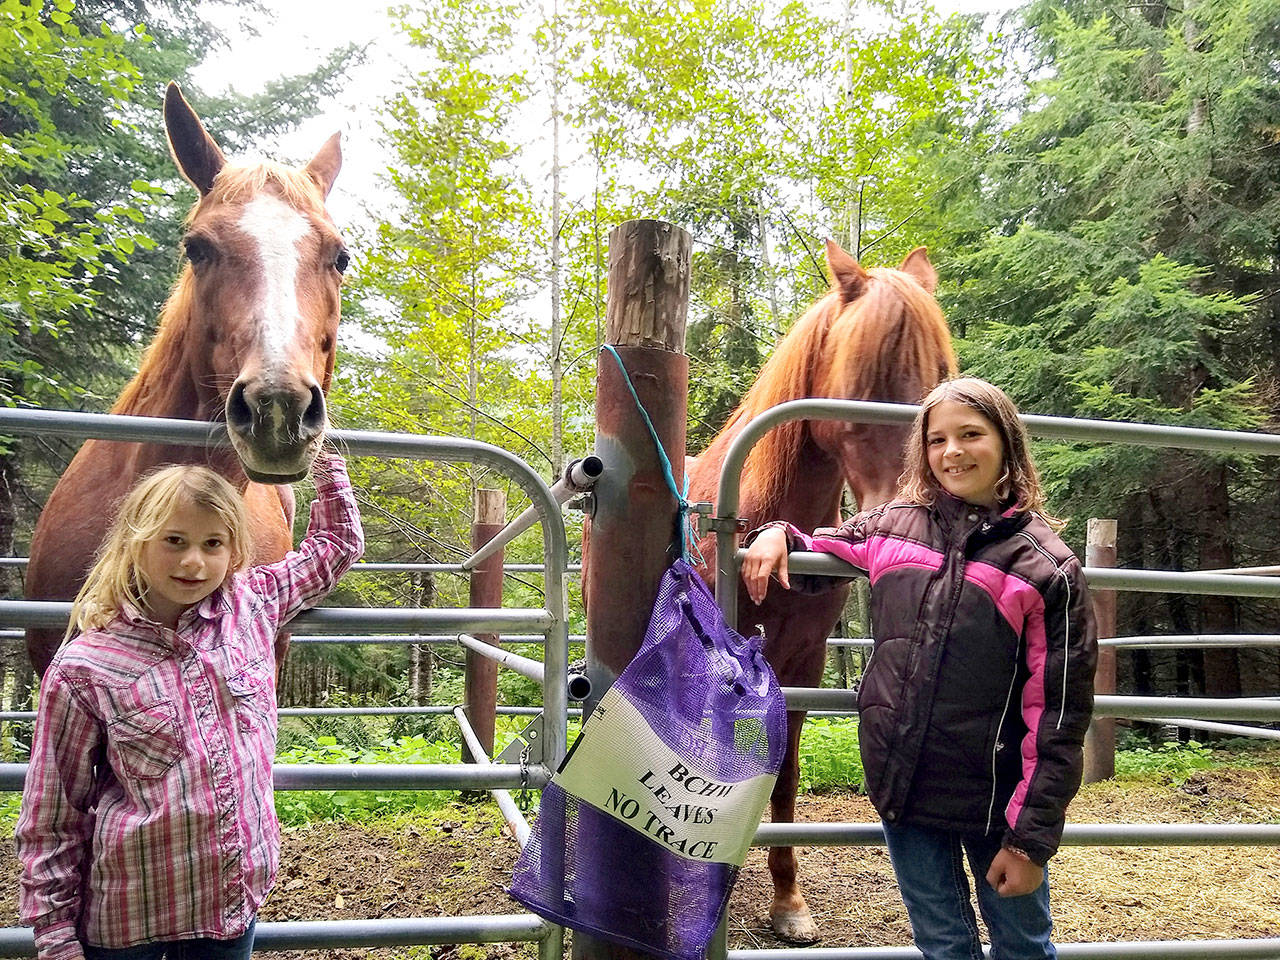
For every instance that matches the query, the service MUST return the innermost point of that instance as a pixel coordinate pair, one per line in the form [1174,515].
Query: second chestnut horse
[878,334]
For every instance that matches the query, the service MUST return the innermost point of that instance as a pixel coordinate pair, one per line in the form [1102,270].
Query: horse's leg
[797,628]
[789,913]
[282,648]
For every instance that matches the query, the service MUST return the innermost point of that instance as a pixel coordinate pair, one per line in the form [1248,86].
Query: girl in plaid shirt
[148,826]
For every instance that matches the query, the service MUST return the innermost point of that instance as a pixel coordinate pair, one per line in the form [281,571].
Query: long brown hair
[1019,483]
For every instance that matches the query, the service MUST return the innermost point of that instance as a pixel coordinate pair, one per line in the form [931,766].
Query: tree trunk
[1134,609]
[1166,542]
[770,280]
[423,659]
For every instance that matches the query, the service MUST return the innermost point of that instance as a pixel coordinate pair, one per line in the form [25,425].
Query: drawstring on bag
[689,537]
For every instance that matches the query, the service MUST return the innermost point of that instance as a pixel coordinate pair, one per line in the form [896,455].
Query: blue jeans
[935,888]
[204,948]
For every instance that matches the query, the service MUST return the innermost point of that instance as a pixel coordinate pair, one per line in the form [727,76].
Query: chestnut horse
[876,335]
[247,336]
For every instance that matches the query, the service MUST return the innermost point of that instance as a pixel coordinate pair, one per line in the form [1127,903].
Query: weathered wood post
[486,591]
[633,522]
[1100,741]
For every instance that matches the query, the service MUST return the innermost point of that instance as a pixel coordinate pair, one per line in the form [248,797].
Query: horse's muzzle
[275,430]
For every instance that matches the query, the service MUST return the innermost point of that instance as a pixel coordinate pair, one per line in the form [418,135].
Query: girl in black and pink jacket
[974,705]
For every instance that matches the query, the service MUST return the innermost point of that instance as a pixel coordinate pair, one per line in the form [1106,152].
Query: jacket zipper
[1004,715]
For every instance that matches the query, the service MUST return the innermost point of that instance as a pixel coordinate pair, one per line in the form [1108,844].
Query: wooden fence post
[633,523]
[1100,741]
[486,591]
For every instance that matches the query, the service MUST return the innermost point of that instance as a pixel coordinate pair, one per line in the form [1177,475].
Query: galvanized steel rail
[1053,428]
[1263,949]
[388,566]
[330,934]
[1074,834]
[510,811]
[553,620]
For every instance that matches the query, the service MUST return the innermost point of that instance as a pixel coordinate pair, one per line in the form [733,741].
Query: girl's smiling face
[185,562]
[965,453]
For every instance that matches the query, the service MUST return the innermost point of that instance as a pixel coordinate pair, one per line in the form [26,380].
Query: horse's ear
[916,264]
[198,157]
[847,276]
[324,166]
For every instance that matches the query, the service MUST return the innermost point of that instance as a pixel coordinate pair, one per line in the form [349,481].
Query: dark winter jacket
[974,705]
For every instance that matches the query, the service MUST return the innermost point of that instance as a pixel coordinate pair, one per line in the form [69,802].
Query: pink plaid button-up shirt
[148,810]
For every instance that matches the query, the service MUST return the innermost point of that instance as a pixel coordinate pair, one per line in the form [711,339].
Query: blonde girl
[124,574]
[973,707]
[148,827]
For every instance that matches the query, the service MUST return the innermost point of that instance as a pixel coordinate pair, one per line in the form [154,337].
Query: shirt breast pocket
[146,741]
[255,697]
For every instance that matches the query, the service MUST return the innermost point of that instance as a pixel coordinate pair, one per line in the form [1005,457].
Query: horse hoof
[797,927]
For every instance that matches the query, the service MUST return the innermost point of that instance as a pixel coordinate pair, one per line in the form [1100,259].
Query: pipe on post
[1100,740]
[632,524]
[579,685]
[579,477]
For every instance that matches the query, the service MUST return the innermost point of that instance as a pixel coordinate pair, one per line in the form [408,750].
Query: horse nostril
[239,415]
[313,418]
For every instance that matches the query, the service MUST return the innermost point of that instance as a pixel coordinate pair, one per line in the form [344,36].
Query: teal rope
[682,501]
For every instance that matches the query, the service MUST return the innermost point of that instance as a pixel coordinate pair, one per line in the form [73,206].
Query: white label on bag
[625,769]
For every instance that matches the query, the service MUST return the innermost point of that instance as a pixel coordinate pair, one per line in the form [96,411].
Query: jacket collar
[962,519]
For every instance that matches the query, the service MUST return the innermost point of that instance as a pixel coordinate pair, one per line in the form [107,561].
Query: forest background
[1098,184]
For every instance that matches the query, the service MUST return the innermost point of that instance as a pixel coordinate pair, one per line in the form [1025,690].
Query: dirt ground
[456,860]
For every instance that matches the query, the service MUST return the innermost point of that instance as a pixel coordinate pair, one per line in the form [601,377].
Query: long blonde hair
[116,578]
[1019,483]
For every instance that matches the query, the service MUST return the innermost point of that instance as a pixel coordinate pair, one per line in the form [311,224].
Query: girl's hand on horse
[767,553]
[1013,875]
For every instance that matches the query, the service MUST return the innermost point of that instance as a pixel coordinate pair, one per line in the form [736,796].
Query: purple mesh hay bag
[642,831]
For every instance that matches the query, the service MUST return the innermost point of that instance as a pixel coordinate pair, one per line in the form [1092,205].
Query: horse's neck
[166,386]
[148,456]
[812,496]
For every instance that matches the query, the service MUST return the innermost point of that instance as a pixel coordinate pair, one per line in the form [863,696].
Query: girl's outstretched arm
[334,541]
[54,832]
[768,547]
[767,553]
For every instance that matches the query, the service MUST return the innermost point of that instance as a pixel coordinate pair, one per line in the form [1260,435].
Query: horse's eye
[198,250]
[341,260]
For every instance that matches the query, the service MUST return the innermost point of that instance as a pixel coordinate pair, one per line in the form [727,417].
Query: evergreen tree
[764,129]
[1126,268]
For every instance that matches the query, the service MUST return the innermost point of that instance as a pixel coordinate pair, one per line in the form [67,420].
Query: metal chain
[523,801]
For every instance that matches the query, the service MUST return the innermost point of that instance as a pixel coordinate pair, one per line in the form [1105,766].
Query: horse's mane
[234,183]
[167,352]
[890,340]
[165,356]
